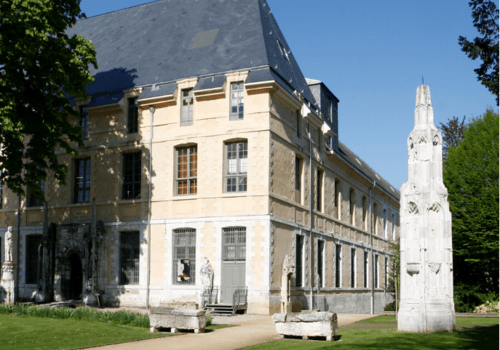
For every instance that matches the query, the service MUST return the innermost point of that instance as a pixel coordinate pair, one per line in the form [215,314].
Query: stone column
[426,245]
[9,269]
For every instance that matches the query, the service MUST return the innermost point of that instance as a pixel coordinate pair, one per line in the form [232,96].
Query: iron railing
[210,296]
[240,296]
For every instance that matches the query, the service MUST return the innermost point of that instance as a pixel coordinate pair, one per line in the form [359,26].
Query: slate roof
[356,162]
[167,40]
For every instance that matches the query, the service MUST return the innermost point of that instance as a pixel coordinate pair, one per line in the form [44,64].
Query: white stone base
[314,324]
[435,318]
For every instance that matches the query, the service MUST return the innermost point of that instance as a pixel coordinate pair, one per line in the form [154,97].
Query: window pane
[184,269]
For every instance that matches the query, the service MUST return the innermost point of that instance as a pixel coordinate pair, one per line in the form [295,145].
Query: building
[204,140]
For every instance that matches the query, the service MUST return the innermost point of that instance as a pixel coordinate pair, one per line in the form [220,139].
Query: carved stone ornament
[435,140]
[288,265]
[8,269]
[413,268]
[412,208]
[435,267]
[9,245]
[434,207]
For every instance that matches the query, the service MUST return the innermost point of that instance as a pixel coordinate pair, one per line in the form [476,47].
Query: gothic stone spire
[426,250]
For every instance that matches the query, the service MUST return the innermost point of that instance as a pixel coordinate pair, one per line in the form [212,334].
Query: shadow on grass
[481,338]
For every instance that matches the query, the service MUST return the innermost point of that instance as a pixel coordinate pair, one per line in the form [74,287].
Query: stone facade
[331,208]
[426,245]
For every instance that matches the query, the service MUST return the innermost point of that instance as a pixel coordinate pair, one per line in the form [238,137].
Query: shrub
[390,307]
[467,298]
[208,320]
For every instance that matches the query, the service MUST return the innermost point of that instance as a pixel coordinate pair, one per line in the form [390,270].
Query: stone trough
[177,319]
[307,324]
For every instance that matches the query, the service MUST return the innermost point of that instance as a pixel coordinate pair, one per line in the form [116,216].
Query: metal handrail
[240,296]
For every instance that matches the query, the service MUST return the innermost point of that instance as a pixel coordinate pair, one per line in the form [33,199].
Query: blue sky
[372,56]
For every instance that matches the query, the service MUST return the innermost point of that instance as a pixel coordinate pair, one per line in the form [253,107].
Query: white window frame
[323,262]
[241,164]
[189,179]
[187,102]
[393,228]
[376,281]
[237,101]
[176,261]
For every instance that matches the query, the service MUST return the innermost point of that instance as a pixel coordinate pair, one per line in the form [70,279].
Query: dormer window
[283,51]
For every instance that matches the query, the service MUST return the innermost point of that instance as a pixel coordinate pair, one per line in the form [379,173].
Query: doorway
[72,283]
[233,262]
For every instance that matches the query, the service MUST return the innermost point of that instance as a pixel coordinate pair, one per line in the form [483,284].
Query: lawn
[24,332]
[479,338]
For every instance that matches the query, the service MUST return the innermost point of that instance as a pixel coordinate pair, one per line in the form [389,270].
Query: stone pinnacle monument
[426,246]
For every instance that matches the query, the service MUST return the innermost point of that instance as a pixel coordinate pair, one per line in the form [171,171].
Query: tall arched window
[338,200]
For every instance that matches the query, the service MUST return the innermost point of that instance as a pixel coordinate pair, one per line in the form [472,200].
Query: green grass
[34,333]
[485,338]
[461,321]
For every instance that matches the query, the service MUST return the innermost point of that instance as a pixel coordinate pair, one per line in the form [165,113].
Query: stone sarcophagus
[307,324]
[175,319]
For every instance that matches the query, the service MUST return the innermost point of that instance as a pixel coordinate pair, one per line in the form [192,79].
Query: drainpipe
[151,114]
[372,311]
[16,286]
[310,214]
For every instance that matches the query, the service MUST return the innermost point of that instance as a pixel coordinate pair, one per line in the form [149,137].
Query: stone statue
[207,275]
[426,245]
[286,283]
[9,245]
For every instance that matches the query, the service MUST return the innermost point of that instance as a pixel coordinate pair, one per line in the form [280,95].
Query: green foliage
[40,66]
[390,307]
[467,297]
[471,175]
[80,313]
[485,47]
[453,132]
[208,320]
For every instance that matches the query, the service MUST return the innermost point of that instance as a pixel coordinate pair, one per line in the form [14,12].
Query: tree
[471,176]
[395,268]
[453,132]
[485,47]
[40,66]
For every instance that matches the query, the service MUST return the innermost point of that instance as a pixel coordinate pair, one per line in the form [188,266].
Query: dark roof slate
[167,40]
[158,90]
[355,161]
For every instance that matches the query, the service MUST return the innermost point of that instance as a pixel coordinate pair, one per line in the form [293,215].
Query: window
[187,107]
[298,180]
[84,122]
[385,224]
[299,263]
[298,117]
[133,115]
[352,202]
[319,190]
[33,200]
[393,226]
[236,166]
[234,243]
[184,263]
[375,228]
[237,99]
[187,170]
[338,199]
[82,180]
[131,188]
[321,257]
[365,270]
[129,257]
[376,272]
[32,243]
[338,265]
[365,206]
[353,267]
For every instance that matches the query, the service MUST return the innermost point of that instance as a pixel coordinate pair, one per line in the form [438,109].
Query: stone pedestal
[305,325]
[426,244]
[8,273]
